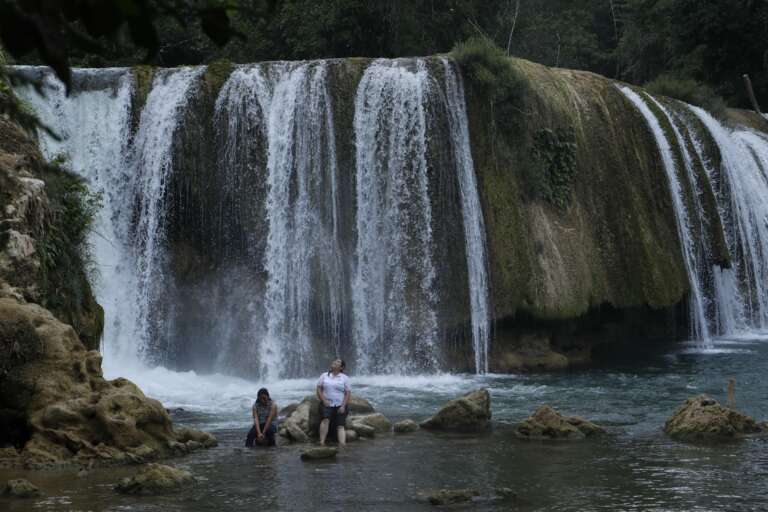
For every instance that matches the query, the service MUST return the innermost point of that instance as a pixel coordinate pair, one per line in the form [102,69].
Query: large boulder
[470,412]
[302,420]
[155,479]
[547,423]
[703,418]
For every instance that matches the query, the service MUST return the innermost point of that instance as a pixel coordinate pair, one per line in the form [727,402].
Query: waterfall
[302,244]
[151,165]
[93,124]
[691,258]
[394,303]
[474,226]
[744,170]
[305,263]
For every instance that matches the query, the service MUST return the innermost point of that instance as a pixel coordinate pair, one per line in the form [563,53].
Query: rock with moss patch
[547,423]
[319,453]
[703,418]
[21,488]
[467,413]
[155,479]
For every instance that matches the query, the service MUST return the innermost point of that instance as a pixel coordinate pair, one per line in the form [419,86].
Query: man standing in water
[333,391]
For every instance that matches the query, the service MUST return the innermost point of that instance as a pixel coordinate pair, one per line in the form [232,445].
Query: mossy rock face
[607,233]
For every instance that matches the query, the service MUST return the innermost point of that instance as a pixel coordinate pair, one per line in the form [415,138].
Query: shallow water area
[635,467]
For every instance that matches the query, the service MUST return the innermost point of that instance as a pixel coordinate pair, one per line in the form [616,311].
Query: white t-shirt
[333,387]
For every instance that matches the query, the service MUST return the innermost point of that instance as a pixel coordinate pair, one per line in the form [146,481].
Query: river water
[635,467]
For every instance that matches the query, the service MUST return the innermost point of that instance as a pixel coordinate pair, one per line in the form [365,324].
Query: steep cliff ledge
[55,405]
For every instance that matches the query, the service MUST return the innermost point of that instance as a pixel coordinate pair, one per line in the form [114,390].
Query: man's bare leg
[324,431]
[341,435]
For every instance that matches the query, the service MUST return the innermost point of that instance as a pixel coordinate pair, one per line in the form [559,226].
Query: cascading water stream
[474,226]
[302,245]
[394,302]
[744,156]
[700,327]
[151,165]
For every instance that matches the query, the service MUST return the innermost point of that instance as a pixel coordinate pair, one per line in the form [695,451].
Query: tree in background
[709,42]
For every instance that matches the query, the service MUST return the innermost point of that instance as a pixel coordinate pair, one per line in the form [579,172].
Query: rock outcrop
[155,479]
[547,423]
[470,412]
[703,418]
[56,407]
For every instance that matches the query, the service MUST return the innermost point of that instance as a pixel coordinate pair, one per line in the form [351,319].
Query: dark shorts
[333,414]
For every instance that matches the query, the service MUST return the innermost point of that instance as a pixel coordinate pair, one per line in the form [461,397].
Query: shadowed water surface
[635,467]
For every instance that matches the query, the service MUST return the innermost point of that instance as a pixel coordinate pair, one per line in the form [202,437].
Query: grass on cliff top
[689,91]
[488,70]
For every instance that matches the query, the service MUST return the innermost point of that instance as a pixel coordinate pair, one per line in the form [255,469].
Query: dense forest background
[682,45]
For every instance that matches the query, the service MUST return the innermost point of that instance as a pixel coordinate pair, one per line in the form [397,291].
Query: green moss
[555,153]
[216,74]
[490,74]
[143,76]
[64,252]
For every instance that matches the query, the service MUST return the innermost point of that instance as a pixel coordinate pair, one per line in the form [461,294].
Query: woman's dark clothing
[337,418]
[269,436]
[262,413]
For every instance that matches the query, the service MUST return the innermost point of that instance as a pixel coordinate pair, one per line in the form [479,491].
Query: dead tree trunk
[751,94]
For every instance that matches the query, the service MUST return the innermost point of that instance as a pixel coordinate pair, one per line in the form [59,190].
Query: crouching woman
[264,421]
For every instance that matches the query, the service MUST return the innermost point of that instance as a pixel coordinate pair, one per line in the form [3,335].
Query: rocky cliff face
[55,405]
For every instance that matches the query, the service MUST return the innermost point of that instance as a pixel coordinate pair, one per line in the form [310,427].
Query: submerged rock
[405,426]
[702,417]
[452,496]
[470,412]
[189,435]
[20,488]
[155,479]
[376,421]
[547,423]
[319,452]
